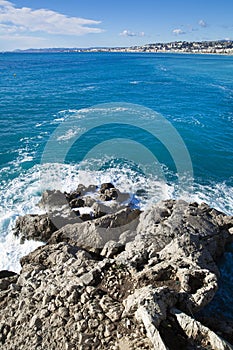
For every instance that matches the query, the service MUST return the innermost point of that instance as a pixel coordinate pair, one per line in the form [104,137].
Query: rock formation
[120,280]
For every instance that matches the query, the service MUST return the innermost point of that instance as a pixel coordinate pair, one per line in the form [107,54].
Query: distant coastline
[221,47]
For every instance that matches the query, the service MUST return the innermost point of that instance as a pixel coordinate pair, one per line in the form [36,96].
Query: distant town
[224,47]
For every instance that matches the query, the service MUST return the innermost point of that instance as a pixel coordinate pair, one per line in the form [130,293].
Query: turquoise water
[195,93]
[40,92]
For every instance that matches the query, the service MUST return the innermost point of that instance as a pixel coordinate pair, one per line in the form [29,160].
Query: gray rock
[53,199]
[111,248]
[196,331]
[106,186]
[114,282]
[93,235]
[77,203]
[37,227]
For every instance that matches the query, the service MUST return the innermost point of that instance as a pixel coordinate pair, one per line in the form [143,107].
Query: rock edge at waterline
[115,277]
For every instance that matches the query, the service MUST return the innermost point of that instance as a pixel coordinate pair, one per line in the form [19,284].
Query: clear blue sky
[85,23]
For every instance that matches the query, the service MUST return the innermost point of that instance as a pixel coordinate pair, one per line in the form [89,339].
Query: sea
[155,125]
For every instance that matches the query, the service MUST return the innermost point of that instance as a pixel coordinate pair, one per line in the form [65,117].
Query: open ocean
[40,92]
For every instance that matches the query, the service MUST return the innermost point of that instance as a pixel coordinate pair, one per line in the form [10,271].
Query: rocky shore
[112,277]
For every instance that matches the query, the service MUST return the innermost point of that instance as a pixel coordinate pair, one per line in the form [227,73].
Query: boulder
[106,186]
[36,227]
[93,235]
[52,199]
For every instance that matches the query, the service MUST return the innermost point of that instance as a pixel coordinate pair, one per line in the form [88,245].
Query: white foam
[88,88]
[163,68]
[135,82]
[68,135]
[58,120]
[189,120]
[103,110]
[221,87]
[12,251]
[26,158]
[21,195]
[18,197]
[85,210]
[217,195]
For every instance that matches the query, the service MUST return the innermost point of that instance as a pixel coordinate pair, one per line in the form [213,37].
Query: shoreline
[117,52]
[221,47]
[118,277]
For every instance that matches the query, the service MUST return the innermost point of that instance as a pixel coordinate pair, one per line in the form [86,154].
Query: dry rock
[125,280]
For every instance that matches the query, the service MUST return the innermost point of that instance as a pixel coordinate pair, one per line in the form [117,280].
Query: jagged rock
[77,203]
[52,199]
[41,227]
[108,192]
[89,201]
[124,280]
[112,309]
[109,195]
[85,190]
[37,227]
[222,327]
[81,191]
[172,219]
[110,249]
[101,209]
[199,333]
[65,208]
[93,235]
[106,186]
[152,332]
[146,300]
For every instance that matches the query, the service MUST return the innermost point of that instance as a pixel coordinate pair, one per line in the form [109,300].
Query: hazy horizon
[24,25]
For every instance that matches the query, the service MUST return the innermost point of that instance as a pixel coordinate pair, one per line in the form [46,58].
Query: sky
[96,23]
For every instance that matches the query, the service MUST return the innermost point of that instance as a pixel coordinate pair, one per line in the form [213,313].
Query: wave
[221,87]
[189,120]
[21,195]
[68,135]
[88,88]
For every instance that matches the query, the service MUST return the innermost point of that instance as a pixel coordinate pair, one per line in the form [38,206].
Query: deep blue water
[41,92]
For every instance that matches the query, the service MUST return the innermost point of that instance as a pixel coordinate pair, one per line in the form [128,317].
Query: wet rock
[52,199]
[77,203]
[86,190]
[6,274]
[37,227]
[106,186]
[88,201]
[109,195]
[108,192]
[122,197]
